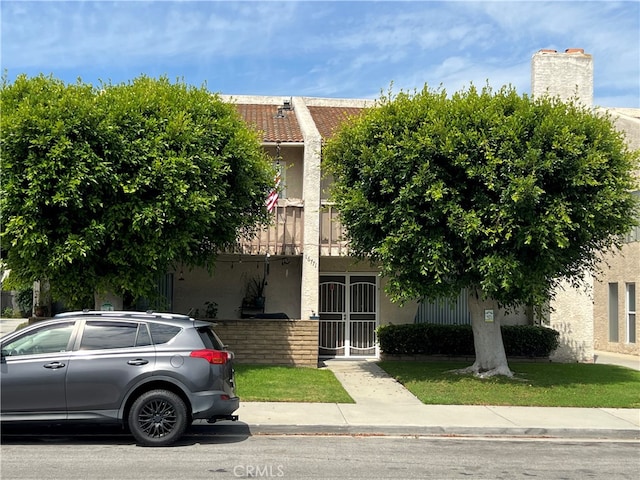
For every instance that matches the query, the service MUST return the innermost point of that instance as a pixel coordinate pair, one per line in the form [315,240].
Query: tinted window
[102,335]
[210,339]
[161,333]
[49,339]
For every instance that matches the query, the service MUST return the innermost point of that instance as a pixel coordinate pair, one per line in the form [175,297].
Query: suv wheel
[158,418]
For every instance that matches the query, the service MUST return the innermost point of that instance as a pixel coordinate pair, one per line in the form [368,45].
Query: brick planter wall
[271,341]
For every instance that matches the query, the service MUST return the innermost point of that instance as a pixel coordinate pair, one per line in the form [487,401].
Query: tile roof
[264,118]
[285,128]
[328,118]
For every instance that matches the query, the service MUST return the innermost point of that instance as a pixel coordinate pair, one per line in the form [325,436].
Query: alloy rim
[157,418]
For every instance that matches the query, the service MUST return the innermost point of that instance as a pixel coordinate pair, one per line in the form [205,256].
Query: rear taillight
[215,357]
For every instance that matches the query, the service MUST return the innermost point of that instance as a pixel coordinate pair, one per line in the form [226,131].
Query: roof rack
[122,314]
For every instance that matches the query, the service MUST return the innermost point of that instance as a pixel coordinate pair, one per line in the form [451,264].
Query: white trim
[629,313]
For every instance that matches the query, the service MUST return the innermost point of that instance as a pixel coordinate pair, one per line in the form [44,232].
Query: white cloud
[350,49]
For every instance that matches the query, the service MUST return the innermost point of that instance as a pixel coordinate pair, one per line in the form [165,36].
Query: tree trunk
[487,338]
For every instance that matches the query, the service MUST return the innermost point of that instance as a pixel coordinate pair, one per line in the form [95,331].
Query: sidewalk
[609,358]
[384,407]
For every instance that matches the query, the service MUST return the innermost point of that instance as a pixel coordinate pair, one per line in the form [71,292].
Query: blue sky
[333,49]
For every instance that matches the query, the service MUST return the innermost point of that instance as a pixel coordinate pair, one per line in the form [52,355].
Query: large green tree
[498,193]
[106,188]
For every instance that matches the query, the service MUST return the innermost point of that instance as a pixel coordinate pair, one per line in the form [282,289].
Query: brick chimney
[566,75]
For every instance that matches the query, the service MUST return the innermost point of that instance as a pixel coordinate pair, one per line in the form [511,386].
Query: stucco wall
[572,316]
[292,177]
[227,285]
[272,342]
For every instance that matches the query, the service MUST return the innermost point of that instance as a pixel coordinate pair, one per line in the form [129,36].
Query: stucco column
[572,315]
[568,75]
[311,195]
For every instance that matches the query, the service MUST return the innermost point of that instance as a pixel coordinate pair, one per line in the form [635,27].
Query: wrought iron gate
[348,315]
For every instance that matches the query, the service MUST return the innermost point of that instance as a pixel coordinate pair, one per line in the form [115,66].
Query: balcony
[286,234]
[283,237]
[332,237]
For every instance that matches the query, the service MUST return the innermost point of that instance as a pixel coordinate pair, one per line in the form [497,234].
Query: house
[321,301]
[318,301]
[602,317]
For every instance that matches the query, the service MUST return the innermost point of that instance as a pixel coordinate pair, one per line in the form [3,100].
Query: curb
[242,429]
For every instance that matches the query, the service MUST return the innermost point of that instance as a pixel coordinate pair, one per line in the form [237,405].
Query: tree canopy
[108,187]
[493,191]
[497,193]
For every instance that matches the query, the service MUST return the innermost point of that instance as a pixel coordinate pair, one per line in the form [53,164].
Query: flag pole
[272,199]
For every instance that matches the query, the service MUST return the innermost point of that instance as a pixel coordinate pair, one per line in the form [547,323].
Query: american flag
[272,199]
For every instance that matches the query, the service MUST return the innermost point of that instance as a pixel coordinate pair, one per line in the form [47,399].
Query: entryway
[348,316]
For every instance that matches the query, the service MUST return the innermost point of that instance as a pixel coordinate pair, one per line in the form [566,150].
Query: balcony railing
[332,237]
[283,237]
[286,234]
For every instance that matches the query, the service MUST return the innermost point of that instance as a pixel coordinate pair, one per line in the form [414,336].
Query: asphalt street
[213,457]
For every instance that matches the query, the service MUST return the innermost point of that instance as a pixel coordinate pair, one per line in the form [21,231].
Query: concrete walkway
[609,358]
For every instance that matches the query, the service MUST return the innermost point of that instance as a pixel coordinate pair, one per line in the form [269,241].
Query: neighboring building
[617,288]
[604,315]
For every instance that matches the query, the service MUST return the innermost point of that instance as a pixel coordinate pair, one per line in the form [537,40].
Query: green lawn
[265,383]
[534,384]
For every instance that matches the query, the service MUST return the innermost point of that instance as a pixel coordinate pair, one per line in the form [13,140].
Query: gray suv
[152,372]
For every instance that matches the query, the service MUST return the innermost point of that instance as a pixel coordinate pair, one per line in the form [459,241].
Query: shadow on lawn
[540,374]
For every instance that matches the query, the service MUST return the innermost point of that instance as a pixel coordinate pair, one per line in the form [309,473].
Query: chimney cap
[574,50]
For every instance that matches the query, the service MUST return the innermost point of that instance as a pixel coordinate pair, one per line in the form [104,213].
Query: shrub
[529,340]
[457,340]
[24,299]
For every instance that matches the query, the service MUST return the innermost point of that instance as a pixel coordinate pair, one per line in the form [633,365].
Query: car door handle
[138,361]
[54,365]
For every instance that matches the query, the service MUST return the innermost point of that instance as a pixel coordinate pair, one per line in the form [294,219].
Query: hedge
[457,340]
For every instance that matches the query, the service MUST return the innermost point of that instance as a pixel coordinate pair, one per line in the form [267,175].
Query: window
[162,333]
[613,312]
[631,312]
[210,339]
[106,335]
[44,340]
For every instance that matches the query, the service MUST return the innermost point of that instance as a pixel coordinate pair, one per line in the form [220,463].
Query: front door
[348,315]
